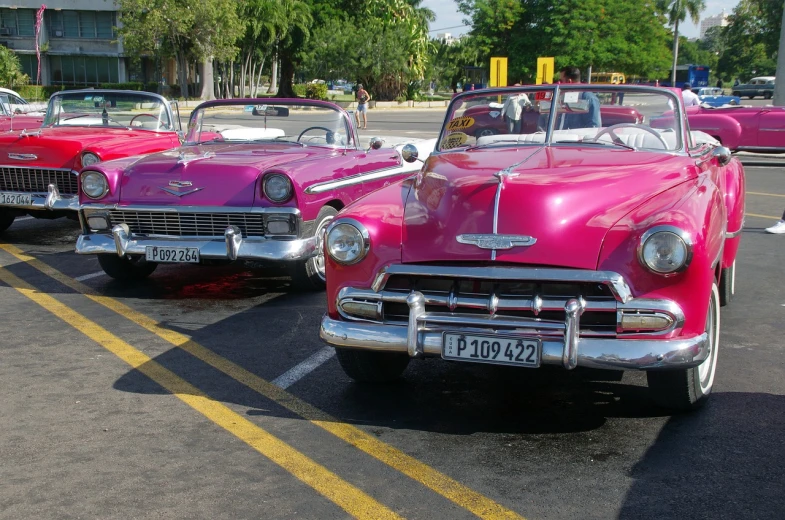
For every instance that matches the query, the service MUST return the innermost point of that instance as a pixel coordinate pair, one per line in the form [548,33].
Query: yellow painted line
[770,217]
[438,482]
[765,194]
[346,496]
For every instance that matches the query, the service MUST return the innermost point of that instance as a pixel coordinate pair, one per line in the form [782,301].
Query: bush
[299,90]
[401,99]
[33,92]
[316,91]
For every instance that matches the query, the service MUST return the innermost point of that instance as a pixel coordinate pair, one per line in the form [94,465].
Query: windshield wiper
[614,143]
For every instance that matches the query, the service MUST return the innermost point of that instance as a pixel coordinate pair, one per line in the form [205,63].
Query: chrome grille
[32,180]
[187,224]
[504,298]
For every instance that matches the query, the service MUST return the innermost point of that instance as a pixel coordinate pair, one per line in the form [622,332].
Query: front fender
[696,207]
[735,188]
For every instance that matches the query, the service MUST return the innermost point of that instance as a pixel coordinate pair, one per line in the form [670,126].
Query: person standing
[719,83]
[778,228]
[363,97]
[592,118]
[512,109]
[690,97]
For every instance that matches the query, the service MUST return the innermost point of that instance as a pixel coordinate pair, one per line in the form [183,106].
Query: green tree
[182,30]
[291,39]
[677,11]
[751,39]
[11,73]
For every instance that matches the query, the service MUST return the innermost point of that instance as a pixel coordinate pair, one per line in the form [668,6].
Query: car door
[771,129]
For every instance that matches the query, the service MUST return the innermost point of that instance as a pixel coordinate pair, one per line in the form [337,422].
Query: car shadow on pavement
[724,461]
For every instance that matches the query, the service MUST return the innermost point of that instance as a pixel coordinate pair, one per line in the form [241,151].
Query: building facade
[77,40]
[719,20]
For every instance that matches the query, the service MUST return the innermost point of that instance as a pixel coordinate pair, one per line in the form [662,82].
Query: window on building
[17,22]
[83,70]
[82,24]
[29,65]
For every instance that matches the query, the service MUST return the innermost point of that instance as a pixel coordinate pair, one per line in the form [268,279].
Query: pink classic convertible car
[255,180]
[39,166]
[742,128]
[610,248]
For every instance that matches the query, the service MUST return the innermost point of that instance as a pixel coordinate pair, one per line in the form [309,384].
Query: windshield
[632,117]
[276,121]
[109,109]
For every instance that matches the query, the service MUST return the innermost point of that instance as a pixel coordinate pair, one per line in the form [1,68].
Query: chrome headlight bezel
[683,240]
[359,233]
[85,176]
[268,190]
[89,159]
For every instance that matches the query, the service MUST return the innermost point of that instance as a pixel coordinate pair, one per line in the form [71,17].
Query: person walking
[363,97]
[511,111]
[690,97]
[778,228]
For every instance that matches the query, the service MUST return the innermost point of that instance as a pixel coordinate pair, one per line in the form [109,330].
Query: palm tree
[677,11]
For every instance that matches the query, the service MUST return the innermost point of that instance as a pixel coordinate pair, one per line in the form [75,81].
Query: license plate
[172,254]
[496,349]
[16,199]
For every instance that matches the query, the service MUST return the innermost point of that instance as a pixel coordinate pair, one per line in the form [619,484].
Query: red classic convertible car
[255,180]
[10,120]
[38,167]
[577,246]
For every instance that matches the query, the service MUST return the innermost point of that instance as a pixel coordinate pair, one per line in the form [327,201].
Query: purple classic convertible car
[256,180]
[576,246]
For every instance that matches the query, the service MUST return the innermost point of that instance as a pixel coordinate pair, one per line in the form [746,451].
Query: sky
[449,20]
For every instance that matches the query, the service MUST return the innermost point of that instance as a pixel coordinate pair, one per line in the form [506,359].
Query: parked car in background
[608,248]
[255,180]
[13,120]
[740,128]
[760,86]
[18,105]
[81,128]
[714,96]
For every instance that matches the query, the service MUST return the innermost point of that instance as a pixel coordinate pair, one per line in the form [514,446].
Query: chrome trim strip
[359,178]
[416,303]
[572,333]
[734,234]
[760,148]
[615,281]
[607,353]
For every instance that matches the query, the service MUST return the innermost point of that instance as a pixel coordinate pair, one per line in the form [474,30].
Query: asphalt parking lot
[204,392]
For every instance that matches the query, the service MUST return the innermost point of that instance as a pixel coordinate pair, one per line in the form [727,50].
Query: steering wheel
[161,123]
[313,128]
[616,139]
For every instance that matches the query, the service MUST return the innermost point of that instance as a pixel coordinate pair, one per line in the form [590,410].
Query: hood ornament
[185,158]
[493,241]
[180,184]
[23,156]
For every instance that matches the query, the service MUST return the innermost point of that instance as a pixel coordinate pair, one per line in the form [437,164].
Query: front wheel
[368,366]
[689,389]
[126,269]
[310,274]
[6,219]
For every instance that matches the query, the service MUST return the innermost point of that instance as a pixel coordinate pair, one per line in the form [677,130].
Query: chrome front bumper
[232,247]
[52,200]
[561,342]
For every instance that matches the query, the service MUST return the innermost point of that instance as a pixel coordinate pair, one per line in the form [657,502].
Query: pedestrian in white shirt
[511,111]
[690,98]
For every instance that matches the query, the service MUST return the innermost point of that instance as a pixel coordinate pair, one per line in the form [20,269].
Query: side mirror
[722,153]
[376,143]
[409,153]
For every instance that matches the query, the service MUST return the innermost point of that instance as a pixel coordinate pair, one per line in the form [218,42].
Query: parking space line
[765,194]
[88,276]
[429,477]
[348,497]
[761,216]
[301,370]
[26,217]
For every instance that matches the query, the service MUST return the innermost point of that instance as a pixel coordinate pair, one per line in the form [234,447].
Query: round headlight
[347,241]
[88,159]
[277,187]
[665,249]
[94,184]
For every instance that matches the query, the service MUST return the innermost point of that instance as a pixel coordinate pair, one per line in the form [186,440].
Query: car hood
[210,175]
[59,147]
[564,198]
